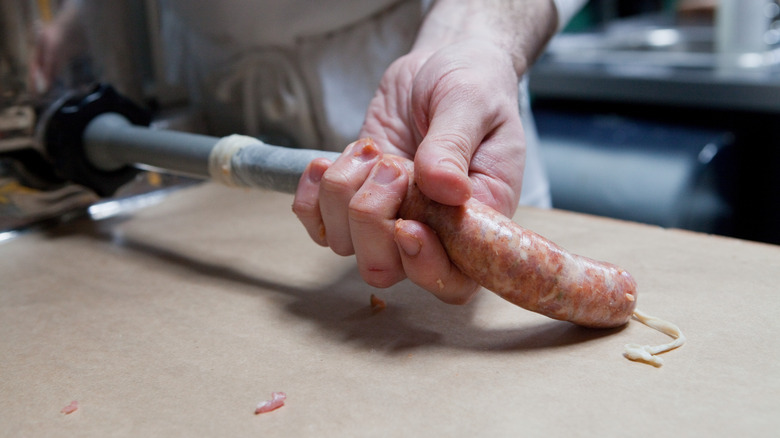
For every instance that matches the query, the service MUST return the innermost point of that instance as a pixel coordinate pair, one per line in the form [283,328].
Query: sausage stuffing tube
[111,142]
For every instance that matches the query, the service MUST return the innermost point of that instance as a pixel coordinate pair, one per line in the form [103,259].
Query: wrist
[520,28]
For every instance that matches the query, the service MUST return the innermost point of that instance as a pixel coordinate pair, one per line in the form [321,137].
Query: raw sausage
[523,267]
[71,408]
[276,402]
[377,304]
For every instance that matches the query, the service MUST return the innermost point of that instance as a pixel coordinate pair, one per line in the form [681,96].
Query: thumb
[453,112]
[443,159]
[441,166]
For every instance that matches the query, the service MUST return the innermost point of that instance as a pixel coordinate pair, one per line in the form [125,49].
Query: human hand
[454,111]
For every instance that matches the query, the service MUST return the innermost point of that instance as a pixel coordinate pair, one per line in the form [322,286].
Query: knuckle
[303,209]
[362,213]
[454,141]
[342,248]
[381,280]
[335,181]
[381,277]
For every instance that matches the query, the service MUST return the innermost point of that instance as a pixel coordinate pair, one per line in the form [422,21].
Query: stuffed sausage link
[523,267]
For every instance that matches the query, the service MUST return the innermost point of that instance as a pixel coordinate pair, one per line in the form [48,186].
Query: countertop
[177,319]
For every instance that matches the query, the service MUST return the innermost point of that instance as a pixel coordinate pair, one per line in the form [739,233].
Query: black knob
[63,137]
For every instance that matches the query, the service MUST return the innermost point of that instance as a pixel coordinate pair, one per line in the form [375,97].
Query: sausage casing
[525,268]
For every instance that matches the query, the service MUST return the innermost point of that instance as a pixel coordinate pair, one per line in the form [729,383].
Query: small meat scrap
[377,304]
[71,408]
[276,402]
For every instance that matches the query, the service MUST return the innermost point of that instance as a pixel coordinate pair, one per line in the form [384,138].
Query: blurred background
[658,111]
[666,112]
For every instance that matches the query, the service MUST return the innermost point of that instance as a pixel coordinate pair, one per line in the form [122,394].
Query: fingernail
[458,185]
[408,243]
[386,172]
[365,150]
[315,174]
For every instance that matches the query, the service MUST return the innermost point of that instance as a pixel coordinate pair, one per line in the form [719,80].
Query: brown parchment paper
[178,319]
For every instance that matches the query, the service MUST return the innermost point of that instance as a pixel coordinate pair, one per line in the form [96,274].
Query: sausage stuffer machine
[101,140]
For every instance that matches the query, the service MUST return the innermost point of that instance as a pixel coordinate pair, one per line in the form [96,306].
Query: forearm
[519,27]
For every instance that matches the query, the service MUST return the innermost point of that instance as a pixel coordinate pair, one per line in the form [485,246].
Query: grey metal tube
[112,142]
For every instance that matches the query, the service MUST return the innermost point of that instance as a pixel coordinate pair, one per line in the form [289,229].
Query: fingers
[426,263]
[372,215]
[351,206]
[338,186]
[443,157]
[387,249]
[306,205]
[325,191]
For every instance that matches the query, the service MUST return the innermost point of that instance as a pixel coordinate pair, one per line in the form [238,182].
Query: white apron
[298,72]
